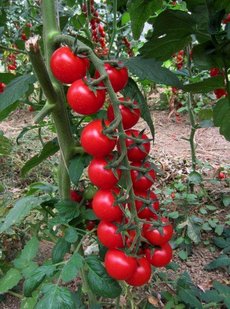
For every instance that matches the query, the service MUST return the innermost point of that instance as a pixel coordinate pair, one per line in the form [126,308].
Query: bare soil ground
[171,151]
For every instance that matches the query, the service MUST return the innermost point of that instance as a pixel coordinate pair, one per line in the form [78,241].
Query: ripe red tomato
[101,176]
[108,236]
[129,115]
[214,72]
[31,108]
[119,265]
[117,76]
[220,93]
[90,225]
[75,196]
[161,256]
[66,66]
[94,141]
[142,273]
[158,236]
[104,205]
[83,100]
[2,87]
[147,211]
[142,181]
[136,151]
[221,175]
[12,67]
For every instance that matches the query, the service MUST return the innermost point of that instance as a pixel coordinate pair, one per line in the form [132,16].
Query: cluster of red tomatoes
[11,62]
[179,59]
[127,44]
[2,87]
[153,248]
[220,92]
[97,29]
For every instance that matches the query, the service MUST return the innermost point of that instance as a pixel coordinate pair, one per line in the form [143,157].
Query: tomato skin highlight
[147,212]
[142,182]
[94,141]
[66,66]
[161,256]
[118,76]
[129,115]
[142,274]
[136,153]
[154,235]
[100,176]
[83,100]
[119,265]
[108,236]
[103,205]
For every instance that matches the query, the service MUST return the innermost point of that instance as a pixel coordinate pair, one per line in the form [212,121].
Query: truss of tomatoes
[154,248]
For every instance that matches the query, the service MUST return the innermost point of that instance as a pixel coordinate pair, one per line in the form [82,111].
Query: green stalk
[59,112]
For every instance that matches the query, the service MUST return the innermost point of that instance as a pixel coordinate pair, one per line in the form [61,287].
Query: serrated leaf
[67,210]
[55,297]
[10,280]
[72,267]
[49,149]
[223,289]
[211,296]
[5,145]
[59,250]
[206,85]
[71,235]
[219,229]
[140,11]
[36,278]
[193,232]
[151,69]
[14,91]
[221,242]
[188,298]
[226,200]
[195,178]
[183,255]
[132,91]
[28,302]
[28,253]
[76,167]
[100,282]
[21,209]
[222,261]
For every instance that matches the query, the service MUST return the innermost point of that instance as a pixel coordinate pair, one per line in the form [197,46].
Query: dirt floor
[170,151]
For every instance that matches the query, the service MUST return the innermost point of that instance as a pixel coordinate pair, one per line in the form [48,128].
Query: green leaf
[125,18]
[219,229]
[76,167]
[21,209]
[55,297]
[5,145]
[67,210]
[71,235]
[183,255]
[28,302]
[14,91]
[59,250]
[10,280]
[220,242]
[193,232]
[206,85]
[195,178]
[165,40]
[222,261]
[223,290]
[36,278]
[152,70]
[140,11]
[132,91]
[226,200]
[220,110]
[100,282]
[72,267]
[211,296]
[225,126]
[188,298]
[49,149]
[28,253]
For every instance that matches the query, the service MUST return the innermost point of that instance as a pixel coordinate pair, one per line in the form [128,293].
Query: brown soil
[170,151]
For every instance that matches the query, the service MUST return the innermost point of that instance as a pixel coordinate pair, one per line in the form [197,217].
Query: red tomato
[83,100]
[158,236]
[147,211]
[108,236]
[161,256]
[142,181]
[90,225]
[31,108]
[226,20]
[2,87]
[221,175]
[214,72]
[104,205]
[75,196]
[23,36]
[119,265]
[12,67]
[129,115]
[101,176]
[220,93]
[94,141]
[136,151]
[66,66]
[173,195]
[117,76]
[142,273]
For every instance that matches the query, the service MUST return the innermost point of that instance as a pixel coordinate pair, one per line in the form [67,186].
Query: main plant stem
[59,112]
